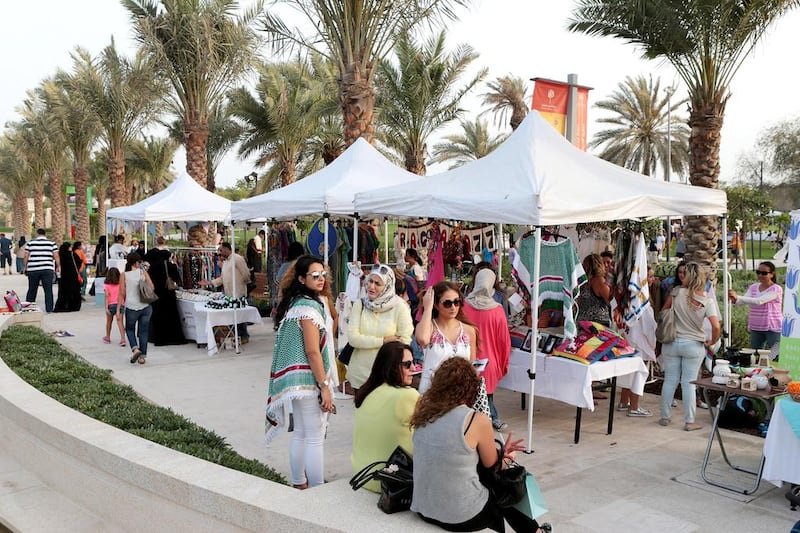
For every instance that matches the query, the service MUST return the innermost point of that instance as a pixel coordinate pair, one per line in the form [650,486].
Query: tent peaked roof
[330,190]
[183,200]
[537,177]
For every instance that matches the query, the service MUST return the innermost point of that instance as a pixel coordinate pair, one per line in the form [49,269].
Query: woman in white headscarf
[490,318]
[378,317]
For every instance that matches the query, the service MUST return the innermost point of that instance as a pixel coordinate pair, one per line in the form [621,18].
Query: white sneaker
[640,412]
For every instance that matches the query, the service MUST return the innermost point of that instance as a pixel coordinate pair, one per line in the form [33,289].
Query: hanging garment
[560,275]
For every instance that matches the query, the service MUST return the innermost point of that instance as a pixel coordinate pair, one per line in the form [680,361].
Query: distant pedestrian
[41,265]
[5,253]
[19,251]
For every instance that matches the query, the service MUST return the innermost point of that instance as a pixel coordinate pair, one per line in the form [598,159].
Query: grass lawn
[70,380]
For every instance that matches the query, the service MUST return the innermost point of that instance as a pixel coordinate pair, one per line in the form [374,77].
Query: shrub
[70,380]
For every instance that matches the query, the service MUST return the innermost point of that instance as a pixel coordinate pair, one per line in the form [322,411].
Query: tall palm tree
[30,165]
[45,142]
[14,183]
[79,126]
[647,125]
[202,47]
[280,120]
[148,160]
[420,95]
[474,143]
[100,181]
[508,96]
[126,97]
[356,35]
[706,41]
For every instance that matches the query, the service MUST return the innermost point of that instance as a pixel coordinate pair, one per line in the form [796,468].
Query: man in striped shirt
[41,265]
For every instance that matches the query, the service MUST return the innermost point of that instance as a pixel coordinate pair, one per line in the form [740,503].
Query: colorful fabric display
[518,335]
[594,342]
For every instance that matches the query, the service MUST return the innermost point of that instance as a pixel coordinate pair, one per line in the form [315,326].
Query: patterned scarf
[388,298]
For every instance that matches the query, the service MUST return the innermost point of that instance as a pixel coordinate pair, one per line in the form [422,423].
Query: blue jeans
[45,277]
[142,317]
[764,339]
[682,360]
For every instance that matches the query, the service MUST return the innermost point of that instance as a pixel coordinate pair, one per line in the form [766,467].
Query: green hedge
[70,380]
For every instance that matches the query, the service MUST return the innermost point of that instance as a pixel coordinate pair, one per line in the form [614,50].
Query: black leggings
[492,516]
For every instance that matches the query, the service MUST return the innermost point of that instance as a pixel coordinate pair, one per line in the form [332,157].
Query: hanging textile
[560,275]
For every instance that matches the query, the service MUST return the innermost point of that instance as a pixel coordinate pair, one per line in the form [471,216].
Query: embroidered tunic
[440,349]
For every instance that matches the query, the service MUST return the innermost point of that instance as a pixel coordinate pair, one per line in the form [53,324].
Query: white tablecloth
[781,450]
[199,321]
[570,381]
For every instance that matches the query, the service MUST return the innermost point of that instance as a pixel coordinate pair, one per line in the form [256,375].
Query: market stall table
[199,321]
[707,385]
[782,445]
[569,381]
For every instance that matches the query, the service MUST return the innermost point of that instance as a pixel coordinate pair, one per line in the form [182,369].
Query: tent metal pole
[325,240]
[386,239]
[534,332]
[355,238]
[145,235]
[235,322]
[726,337]
[500,249]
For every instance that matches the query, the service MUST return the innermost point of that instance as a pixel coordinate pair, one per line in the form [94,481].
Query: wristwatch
[324,384]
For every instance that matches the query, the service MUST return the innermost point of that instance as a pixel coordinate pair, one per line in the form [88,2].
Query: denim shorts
[112,308]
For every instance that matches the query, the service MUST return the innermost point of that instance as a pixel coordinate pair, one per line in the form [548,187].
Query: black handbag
[506,485]
[397,480]
[345,354]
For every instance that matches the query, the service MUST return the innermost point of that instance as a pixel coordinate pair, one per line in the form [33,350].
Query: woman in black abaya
[165,324]
[69,288]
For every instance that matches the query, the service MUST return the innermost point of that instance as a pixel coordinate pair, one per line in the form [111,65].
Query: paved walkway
[643,478]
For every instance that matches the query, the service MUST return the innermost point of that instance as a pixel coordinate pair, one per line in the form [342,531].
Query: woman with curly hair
[300,370]
[450,440]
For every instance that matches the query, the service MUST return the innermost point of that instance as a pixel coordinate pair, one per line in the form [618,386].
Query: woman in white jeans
[300,372]
[683,356]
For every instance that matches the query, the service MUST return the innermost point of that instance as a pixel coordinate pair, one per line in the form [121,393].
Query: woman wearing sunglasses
[444,331]
[384,405]
[380,316]
[765,299]
[300,371]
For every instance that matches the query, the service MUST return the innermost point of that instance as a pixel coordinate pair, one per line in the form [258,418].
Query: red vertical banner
[550,100]
[582,117]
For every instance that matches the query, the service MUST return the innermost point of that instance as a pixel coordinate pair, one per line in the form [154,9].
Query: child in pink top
[113,309]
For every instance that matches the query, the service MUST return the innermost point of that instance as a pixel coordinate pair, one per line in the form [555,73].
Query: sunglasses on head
[382,269]
[407,364]
[450,303]
[763,272]
[317,274]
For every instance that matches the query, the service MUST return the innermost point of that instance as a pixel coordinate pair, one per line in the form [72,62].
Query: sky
[520,37]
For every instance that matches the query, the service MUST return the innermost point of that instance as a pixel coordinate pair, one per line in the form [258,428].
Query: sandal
[136,353]
[692,426]
[122,343]
[664,422]
[141,360]
[106,340]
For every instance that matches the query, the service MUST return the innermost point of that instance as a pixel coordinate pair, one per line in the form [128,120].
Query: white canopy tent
[537,177]
[330,191]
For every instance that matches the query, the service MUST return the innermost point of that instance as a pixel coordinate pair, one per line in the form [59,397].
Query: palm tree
[280,120]
[100,181]
[706,41]
[148,160]
[202,47]
[508,95]
[642,137]
[43,140]
[14,183]
[30,165]
[419,95]
[126,97]
[79,126]
[474,143]
[356,36]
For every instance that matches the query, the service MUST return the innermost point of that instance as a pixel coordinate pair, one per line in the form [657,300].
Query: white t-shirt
[117,251]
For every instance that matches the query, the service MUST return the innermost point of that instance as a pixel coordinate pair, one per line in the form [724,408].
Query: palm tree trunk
[57,203]
[100,194]
[195,137]
[22,225]
[705,121]
[288,172]
[358,105]
[67,220]
[38,203]
[159,229]
[81,176]
[116,180]
[415,162]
